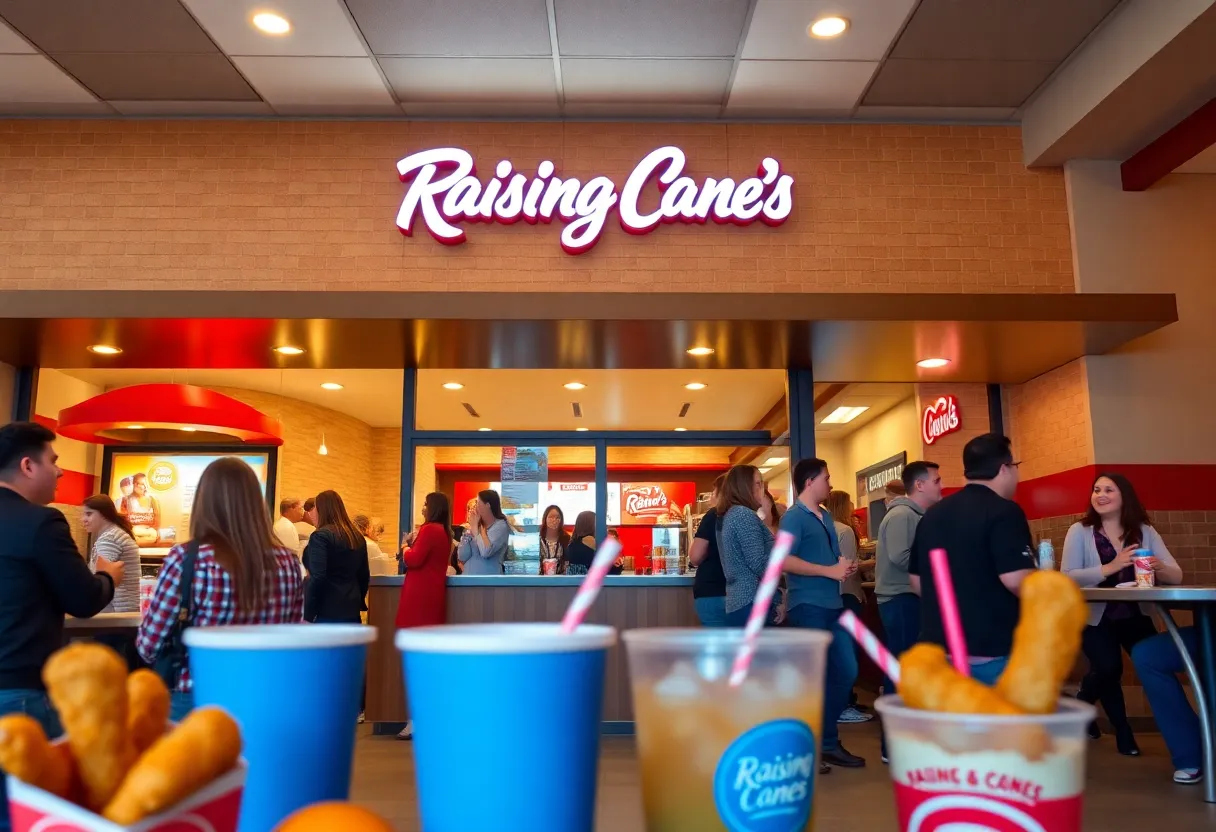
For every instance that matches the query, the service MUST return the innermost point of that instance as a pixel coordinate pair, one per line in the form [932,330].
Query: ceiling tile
[106,25]
[1000,30]
[318,27]
[482,109]
[437,80]
[1203,162]
[34,79]
[192,108]
[937,114]
[602,80]
[957,83]
[502,28]
[343,83]
[642,109]
[12,43]
[141,77]
[630,28]
[778,30]
[799,85]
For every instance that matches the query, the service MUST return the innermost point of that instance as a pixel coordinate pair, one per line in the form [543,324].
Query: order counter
[625,602]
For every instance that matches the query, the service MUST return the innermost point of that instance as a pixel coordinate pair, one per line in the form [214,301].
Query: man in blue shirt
[814,571]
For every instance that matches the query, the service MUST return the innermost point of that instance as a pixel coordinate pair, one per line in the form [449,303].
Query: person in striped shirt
[112,541]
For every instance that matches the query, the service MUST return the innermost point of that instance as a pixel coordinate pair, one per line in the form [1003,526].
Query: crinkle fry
[1045,643]
[206,744]
[87,682]
[930,683]
[147,709]
[27,754]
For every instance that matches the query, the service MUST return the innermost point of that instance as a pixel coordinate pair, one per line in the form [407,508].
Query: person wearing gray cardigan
[744,549]
[1092,558]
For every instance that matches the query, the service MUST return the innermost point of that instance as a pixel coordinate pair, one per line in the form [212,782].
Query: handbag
[172,656]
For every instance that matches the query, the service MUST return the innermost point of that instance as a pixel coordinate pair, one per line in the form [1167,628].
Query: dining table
[1200,668]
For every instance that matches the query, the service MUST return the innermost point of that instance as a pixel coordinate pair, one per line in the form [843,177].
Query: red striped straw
[590,587]
[869,642]
[952,623]
[764,598]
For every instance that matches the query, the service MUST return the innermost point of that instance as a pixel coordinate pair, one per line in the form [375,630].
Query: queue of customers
[990,552]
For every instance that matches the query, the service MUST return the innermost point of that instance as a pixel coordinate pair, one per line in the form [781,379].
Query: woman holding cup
[553,542]
[1100,550]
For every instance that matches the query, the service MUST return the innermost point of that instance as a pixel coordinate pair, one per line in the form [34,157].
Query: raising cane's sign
[940,418]
[442,186]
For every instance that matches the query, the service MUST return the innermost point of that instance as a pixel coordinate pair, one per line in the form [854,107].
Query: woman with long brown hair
[744,540]
[840,505]
[113,542]
[336,559]
[553,539]
[240,573]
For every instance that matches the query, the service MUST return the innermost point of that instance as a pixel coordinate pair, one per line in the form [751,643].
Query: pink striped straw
[764,598]
[590,587]
[869,642]
[956,643]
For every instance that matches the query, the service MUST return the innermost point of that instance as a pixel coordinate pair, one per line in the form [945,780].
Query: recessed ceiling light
[188,430]
[135,427]
[104,349]
[574,385]
[582,430]
[843,415]
[485,430]
[932,363]
[288,350]
[774,461]
[330,385]
[828,27]
[765,470]
[271,23]
[700,351]
[695,385]
[681,430]
[453,385]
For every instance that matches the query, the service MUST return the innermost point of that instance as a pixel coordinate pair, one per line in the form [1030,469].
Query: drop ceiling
[699,59]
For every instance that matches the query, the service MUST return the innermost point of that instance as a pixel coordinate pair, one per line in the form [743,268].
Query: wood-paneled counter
[625,602]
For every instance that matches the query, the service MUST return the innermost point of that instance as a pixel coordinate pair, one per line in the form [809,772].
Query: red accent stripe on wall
[1160,488]
[74,487]
[47,422]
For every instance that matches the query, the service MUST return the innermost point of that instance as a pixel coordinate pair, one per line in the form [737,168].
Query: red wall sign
[443,187]
[655,503]
[941,418]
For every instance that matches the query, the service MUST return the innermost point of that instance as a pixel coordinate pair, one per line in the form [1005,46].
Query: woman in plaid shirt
[243,575]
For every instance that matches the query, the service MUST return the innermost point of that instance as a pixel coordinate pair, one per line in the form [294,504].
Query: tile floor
[1123,792]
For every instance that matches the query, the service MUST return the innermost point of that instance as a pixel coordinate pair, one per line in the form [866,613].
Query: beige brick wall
[947,451]
[1048,419]
[385,482]
[307,206]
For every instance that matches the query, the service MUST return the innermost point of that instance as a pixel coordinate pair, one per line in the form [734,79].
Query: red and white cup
[1143,563]
[979,771]
[549,566]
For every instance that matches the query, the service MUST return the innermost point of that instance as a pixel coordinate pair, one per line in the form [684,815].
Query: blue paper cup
[294,689]
[506,724]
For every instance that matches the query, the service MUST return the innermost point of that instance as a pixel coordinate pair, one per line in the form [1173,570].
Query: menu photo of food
[156,492]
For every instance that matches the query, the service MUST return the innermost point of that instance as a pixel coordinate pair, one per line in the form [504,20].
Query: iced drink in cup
[1143,563]
[716,757]
[1023,773]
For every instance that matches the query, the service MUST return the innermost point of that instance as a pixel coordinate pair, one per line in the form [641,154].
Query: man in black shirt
[988,546]
[42,575]
[709,584]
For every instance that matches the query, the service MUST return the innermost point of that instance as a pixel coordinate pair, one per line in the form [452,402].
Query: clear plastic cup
[1001,773]
[715,757]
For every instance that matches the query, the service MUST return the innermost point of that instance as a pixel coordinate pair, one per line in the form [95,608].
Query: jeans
[1158,664]
[180,704]
[900,616]
[36,704]
[841,665]
[712,611]
[988,671]
[1103,645]
[739,617]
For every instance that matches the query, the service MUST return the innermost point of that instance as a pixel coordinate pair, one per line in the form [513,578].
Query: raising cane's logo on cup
[444,188]
[162,476]
[645,501]
[940,418]
[764,779]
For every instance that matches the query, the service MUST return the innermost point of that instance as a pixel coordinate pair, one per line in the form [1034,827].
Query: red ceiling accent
[1174,147]
[167,406]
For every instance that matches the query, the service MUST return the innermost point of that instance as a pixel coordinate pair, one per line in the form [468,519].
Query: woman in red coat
[424,591]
